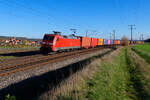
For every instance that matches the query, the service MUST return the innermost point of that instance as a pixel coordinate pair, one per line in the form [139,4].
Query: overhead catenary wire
[131,28]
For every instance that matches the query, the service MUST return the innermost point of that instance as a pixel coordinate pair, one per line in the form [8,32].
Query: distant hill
[20,38]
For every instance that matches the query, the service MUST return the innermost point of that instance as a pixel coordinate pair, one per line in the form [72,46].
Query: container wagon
[105,42]
[85,42]
[100,42]
[108,42]
[94,42]
[115,42]
[119,42]
[111,42]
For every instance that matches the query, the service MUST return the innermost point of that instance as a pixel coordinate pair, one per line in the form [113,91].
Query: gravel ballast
[20,76]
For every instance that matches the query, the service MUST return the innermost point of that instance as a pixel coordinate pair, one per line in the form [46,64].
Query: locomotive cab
[48,43]
[56,42]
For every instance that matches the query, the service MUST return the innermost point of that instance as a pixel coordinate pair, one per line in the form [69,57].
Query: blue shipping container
[105,42]
[120,41]
[111,41]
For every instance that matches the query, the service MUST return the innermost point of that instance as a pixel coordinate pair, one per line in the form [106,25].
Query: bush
[9,97]
[125,41]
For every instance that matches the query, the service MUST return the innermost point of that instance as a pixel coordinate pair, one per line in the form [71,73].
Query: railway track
[38,61]
[25,59]
[18,56]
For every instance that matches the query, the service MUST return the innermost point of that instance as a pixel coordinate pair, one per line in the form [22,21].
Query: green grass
[143,51]
[142,54]
[139,79]
[19,47]
[112,81]
[10,49]
[118,79]
[6,57]
[144,47]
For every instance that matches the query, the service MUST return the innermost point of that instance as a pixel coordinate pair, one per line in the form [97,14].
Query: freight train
[56,42]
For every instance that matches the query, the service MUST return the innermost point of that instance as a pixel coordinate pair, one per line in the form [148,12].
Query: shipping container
[105,42]
[108,42]
[100,41]
[118,42]
[111,42]
[94,42]
[85,42]
[115,42]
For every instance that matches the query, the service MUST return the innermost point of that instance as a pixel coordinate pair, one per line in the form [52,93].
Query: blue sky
[33,18]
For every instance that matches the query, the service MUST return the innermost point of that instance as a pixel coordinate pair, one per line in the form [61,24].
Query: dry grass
[73,87]
[144,68]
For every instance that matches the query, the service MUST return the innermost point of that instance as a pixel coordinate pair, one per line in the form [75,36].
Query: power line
[73,30]
[86,33]
[142,37]
[114,31]
[94,32]
[131,27]
[139,36]
[110,35]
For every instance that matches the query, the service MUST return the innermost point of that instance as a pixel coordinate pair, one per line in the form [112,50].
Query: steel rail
[40,62]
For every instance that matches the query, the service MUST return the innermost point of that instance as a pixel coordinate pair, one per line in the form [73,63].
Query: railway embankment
[32,83]
[121,75]
[76,86]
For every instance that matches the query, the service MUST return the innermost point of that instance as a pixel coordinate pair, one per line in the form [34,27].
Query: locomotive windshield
[46,37]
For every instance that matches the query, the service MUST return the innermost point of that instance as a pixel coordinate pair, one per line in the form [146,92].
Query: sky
[34,18]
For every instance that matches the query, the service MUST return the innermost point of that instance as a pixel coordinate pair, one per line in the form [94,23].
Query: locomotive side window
[46,37]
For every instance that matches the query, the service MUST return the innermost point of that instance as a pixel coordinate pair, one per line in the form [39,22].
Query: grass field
[121,78]
[143,51]
[145,47]
[9,49]
[112,81]
[18,47]
[118,80]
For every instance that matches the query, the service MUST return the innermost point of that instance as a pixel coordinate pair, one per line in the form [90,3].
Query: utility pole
[142,37]
[114,31]
[131,27]
[86,33]
[110,35]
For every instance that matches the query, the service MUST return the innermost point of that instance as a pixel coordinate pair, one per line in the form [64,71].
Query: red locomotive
[56,42]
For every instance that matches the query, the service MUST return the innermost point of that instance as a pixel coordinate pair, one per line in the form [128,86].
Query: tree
[125,41]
